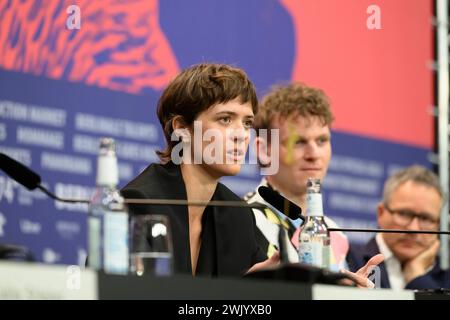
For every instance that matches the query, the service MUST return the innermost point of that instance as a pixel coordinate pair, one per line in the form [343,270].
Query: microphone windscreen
[19,172]
[280,203]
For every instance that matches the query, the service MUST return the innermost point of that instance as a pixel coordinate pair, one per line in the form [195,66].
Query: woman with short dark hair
[206,100]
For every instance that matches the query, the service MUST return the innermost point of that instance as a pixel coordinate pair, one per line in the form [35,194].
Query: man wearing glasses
[412,200]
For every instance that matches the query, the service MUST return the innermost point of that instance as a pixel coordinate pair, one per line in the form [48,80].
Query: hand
[272,261]
[360,277]
[420,264]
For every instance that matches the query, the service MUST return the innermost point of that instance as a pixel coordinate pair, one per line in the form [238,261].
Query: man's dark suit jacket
[358,256]
[228,245]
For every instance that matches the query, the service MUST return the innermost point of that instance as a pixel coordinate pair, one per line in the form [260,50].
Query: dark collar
[371,249]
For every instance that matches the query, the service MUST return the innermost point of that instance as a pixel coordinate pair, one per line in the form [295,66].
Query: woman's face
[220,137]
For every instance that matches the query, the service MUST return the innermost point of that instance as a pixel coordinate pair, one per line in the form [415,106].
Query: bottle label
[314,204]
[94,243]
[305,253]
[116,242]
[314,253]
[326,256]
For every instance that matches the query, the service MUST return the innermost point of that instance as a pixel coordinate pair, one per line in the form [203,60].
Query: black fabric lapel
[165,182]
[370,250]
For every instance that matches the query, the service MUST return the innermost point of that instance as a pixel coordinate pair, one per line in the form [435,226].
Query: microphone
[31,180]
[281,204]
[28,178]
[19,172]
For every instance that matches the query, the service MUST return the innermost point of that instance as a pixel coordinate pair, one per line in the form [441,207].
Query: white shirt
[393,265]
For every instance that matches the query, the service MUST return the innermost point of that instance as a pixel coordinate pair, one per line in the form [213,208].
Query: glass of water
[151,251]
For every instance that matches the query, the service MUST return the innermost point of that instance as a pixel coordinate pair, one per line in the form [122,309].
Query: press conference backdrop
[62,88]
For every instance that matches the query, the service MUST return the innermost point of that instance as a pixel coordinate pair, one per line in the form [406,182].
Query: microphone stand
[240,204]
[55,197]
[389,231]
[172,202]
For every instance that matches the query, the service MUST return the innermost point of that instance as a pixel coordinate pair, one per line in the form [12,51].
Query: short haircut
[291,100]
[417,174]
[198,88]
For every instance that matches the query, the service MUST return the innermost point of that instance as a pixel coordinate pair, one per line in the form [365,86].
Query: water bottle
[314,237]
[108,216]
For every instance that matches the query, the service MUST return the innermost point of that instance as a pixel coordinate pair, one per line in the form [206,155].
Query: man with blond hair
[303,116]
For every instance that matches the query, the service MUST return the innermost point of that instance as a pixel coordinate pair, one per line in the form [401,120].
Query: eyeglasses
[404,217]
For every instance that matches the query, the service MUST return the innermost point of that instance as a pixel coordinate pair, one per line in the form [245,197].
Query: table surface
[37,281]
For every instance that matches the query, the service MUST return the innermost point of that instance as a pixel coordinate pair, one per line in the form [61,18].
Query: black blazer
[358,256]
[228,245]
